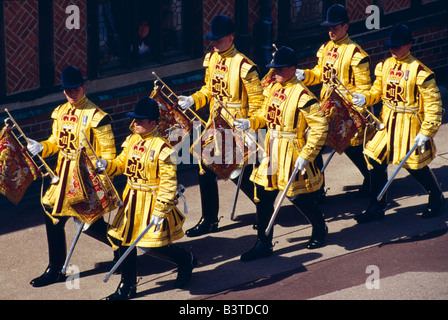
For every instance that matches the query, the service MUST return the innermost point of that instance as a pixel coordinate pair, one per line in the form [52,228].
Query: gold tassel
[53,219]
[369,166]
[256,199]
[201,170]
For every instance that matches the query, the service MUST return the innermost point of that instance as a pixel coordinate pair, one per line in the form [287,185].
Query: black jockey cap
[399,36]
[283,57]
[221,26]
[336,14]
[146,108]
[71,78]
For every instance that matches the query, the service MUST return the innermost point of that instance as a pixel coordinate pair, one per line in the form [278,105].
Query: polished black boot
[203,227]
[306,203]
[57,252]
[434,207]
[428,181]
[185,271]
[208,187]
[375,211]
[261,249]
[185,260]
[127,289]
[50,276]
[317,239]
[263,246]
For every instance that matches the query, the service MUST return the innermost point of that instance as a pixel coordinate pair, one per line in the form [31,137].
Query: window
[306,11]
[139,33]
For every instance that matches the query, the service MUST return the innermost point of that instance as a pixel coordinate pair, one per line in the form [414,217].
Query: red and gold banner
[87,193]
[343,122]
[17,169]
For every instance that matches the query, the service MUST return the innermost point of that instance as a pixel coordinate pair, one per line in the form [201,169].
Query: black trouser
[57,248]
[305,203]
[170,252]
[208,186]
[355,154]
[424,176]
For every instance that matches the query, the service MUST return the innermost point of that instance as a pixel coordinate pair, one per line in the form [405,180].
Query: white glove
[359,99]
[420,140]
[101,165]
[34,147]
[156,221]
[242,124]
[185,102]
[301,163]
[300,74]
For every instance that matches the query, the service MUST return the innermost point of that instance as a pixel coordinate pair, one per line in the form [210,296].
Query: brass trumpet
[48,172]
[175,102]
[379,125]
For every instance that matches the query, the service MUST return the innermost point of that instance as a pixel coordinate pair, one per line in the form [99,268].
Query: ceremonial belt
[68,155]
[143,186]
[234,104]
[282,134]
[401,108]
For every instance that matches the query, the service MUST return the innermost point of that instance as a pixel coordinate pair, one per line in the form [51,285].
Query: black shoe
[50,276]
[317,239]
[184,272]
[123,292]
[373,212]
[261,249]
[203,227]
[433,209]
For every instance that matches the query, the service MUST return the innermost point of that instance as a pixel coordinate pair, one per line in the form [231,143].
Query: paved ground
[406,253]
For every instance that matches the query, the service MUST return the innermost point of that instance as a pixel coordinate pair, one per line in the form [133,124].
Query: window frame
[192,39]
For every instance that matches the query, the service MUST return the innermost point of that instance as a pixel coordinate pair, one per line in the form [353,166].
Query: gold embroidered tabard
[351,64]
[234,79]
[150,190]
[296,127]
[411,104]
[68,122]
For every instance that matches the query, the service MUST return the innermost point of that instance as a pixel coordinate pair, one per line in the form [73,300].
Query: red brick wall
[211,9]
[21,45]
[70,45]
[71,48]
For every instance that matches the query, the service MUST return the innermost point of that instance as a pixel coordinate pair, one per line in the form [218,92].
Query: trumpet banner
[220,148]
[343,122]
[87,194]
[173,124]
[17,169]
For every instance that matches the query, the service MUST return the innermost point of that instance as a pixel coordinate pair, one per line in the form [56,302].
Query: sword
[240,178]
[380,196]
[72,248]
[132,246]
[328,161]
[282,197]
